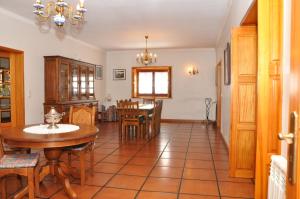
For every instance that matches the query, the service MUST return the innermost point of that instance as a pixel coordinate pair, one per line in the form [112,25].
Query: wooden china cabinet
[68,82]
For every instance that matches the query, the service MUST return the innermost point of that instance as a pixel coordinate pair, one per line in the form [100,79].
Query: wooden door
[243,101]
[293,190]
[219,93]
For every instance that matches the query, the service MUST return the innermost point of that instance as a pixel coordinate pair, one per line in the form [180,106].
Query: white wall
[237,11]
[188,91]
[22,34]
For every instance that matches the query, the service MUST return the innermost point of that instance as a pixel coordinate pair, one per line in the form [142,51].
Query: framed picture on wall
[119,74]
[227,65]
[99,72]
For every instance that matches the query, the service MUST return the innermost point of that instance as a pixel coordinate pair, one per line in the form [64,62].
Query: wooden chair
[130,118]
[148,100]
[156,117]
[82,115]
[20,164]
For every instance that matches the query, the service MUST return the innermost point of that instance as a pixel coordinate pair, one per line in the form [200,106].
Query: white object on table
[42,129]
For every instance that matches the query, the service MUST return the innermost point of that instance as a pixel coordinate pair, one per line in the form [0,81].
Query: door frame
[269,90]
[293,190]
[219,93]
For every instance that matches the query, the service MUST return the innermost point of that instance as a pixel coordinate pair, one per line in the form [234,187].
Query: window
[151,81]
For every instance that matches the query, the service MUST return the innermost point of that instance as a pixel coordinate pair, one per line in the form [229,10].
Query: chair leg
[92,161]
[30,176]
[37,179]
[70,158]
[3,187]
[138,131]
[82,167]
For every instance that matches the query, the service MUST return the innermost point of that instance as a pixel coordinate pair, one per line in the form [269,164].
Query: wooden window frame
[153,69]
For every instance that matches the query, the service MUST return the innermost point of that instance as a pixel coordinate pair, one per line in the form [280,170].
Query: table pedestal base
[58,169]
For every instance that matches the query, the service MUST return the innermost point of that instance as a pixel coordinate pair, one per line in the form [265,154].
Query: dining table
[53,143]
[144,110]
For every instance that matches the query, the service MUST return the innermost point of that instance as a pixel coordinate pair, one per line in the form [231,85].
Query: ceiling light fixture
[60,11]
[146,57]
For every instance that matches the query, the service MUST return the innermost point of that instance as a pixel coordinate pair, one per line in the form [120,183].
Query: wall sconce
[192,70]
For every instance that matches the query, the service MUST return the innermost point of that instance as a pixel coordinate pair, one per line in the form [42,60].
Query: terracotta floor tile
[113,193]
[143,161]
[161,184]
[138,170]
[116,159]
[99,179]
[198,156]
[223,175]
[222,165]
[103,151]
[156,195]
[176,149]
[107,167]
[48,188]
[221,157]
[199,164]
[83,192]
[173,155]
[168,172]
[199,187]
[200,174]
[231,189]
[127,182]
[189,196]
[170,162]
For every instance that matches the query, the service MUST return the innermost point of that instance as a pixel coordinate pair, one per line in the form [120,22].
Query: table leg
[59,169]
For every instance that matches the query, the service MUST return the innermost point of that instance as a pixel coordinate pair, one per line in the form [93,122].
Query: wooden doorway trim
[293,190]
[17,86]
[269,93]
[219,93]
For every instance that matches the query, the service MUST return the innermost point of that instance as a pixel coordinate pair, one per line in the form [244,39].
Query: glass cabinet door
[74,82]
[83,82]
[5,86]
[91,82]
[64,81]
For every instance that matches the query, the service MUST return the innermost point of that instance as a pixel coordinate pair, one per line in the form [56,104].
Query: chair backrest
[82,115]
[121,102]
[148,100]
[156,121]
[128,104]
[1,147]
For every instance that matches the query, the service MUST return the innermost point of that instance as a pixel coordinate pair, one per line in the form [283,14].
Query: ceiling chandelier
[146,57]
[60,11]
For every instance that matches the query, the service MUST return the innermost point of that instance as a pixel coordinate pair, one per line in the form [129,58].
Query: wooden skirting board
[184,121]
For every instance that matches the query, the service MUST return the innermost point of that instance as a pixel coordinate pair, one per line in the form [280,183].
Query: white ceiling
[122,24]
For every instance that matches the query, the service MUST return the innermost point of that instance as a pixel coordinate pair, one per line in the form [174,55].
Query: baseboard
[184,121]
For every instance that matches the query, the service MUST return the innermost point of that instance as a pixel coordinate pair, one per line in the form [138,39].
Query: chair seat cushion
[79,147]
[19,161]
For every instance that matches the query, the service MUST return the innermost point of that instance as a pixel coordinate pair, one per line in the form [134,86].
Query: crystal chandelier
[60,11]
[146,57]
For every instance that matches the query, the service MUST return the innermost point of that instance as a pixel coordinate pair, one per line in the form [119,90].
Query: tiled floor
[185,161]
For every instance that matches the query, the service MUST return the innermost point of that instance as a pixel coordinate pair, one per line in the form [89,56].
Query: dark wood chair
[82,115]
[156,117]
[20,164]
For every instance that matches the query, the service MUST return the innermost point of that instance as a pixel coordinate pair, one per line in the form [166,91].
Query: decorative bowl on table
[53,117]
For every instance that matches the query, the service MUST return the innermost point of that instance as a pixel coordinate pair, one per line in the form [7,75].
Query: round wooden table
[53,145]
